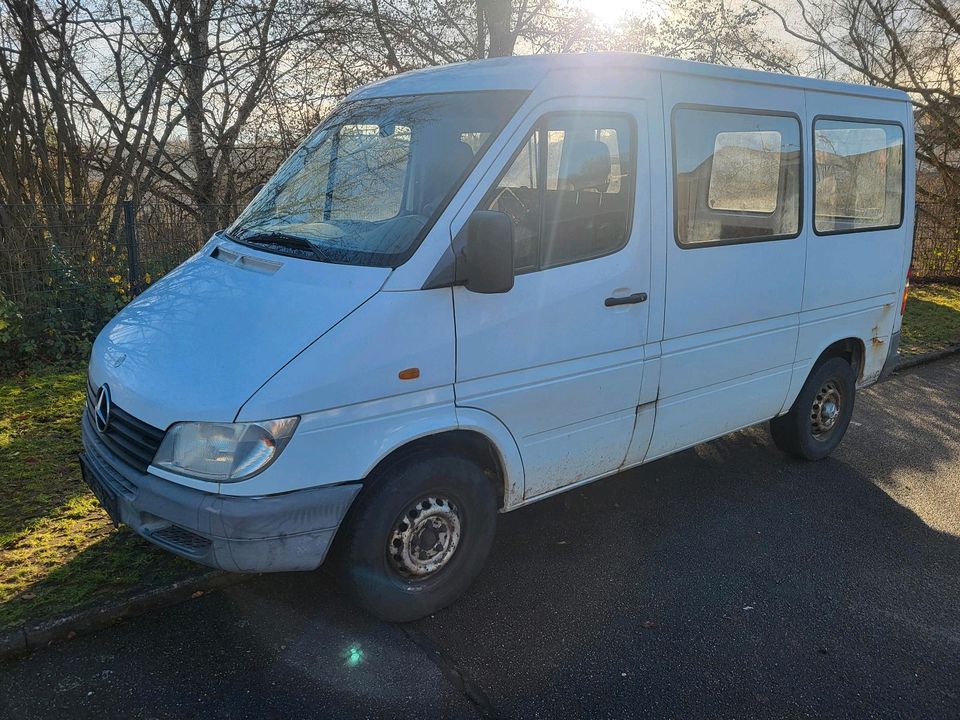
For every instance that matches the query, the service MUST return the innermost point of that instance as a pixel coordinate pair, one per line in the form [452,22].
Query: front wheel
[419,535]
[816,423]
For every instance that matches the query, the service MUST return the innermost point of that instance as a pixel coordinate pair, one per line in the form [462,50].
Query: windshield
[366,185]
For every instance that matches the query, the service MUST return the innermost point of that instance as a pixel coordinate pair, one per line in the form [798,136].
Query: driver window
[568,190]
[516,195]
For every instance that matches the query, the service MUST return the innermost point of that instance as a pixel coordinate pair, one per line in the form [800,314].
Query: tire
[377,549]
[810,430]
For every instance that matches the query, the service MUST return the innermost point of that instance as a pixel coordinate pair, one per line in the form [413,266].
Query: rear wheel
[816,423]
[419,535]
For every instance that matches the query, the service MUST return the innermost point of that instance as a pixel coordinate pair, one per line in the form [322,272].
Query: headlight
[223,452]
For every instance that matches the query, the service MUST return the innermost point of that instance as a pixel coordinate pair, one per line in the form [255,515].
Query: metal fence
[45,250]
[936,246]
[50,255]
[165,237]
[64,271]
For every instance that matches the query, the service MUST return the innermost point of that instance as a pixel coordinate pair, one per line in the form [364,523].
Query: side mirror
[488,255]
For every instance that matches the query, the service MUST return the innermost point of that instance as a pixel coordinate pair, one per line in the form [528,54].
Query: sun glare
[613,12]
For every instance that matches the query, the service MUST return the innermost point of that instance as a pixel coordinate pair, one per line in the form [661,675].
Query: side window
[859,175]
[736,176]
[569,190]
[517,195]
[745,176]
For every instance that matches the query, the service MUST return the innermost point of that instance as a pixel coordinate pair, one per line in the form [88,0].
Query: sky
[612,12]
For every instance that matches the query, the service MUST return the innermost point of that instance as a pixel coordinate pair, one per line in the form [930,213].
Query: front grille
[133,441]
[101,466]
[181,538]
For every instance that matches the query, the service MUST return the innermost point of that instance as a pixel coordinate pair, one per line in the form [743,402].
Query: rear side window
[745,176]
[859,175]
[736,176]
[569,190]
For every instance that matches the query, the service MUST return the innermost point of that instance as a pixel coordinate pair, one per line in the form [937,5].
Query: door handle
[627,300]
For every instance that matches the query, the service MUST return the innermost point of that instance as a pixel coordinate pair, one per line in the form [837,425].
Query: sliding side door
[735,258]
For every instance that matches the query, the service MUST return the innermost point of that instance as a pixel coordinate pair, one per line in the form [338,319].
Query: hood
[204,338]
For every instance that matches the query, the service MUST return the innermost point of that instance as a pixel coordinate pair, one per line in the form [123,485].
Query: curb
[925,358]
[33,635]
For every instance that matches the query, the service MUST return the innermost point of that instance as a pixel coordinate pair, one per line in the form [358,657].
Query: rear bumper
[292,531]
[893,357]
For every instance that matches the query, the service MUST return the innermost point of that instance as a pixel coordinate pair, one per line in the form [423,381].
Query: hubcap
[425,537]
[826,409]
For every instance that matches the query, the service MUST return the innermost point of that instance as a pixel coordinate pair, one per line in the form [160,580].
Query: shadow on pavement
[717,582]
[726,580]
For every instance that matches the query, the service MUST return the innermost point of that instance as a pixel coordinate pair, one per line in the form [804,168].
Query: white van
[476,286]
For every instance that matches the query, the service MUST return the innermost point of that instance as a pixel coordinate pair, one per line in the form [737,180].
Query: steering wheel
[513,194]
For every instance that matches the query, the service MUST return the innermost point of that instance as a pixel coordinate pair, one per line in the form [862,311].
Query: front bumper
[291,531]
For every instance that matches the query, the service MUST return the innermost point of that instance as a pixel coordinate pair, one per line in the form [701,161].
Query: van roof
[525,72]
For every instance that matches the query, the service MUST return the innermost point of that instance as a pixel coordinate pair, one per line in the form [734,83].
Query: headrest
[461,155]
[450,159]
[588,166]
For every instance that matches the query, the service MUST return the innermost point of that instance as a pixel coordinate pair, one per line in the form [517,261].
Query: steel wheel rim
[826,409]
[425,537]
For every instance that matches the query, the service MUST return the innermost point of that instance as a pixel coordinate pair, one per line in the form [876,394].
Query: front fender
[502,439]
[346,444]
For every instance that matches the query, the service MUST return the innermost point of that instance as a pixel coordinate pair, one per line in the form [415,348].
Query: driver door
[559,358]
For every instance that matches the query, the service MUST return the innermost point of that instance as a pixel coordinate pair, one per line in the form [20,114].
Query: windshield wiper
[283,244]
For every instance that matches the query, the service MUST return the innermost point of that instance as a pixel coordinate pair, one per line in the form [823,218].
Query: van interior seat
[588,167]
[582,218]
[451,158]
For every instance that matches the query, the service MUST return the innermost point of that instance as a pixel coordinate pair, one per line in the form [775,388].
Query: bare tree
[713,31]
[407,34]
[66,146]
[192,101]
[229,57]
[911,45]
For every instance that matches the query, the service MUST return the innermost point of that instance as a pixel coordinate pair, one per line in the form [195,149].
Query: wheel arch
[478,436]
[851,348]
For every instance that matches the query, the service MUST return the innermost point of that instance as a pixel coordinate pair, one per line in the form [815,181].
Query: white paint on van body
[566,389]
[569,395]
[730,322]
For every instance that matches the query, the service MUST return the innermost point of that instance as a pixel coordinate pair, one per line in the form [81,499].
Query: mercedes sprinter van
[475,286]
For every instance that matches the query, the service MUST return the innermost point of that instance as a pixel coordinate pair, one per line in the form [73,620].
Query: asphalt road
[726,581]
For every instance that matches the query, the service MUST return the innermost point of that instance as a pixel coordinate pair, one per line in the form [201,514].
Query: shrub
[67,307]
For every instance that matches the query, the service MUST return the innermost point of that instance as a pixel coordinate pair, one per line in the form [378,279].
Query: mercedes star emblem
[101,412]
